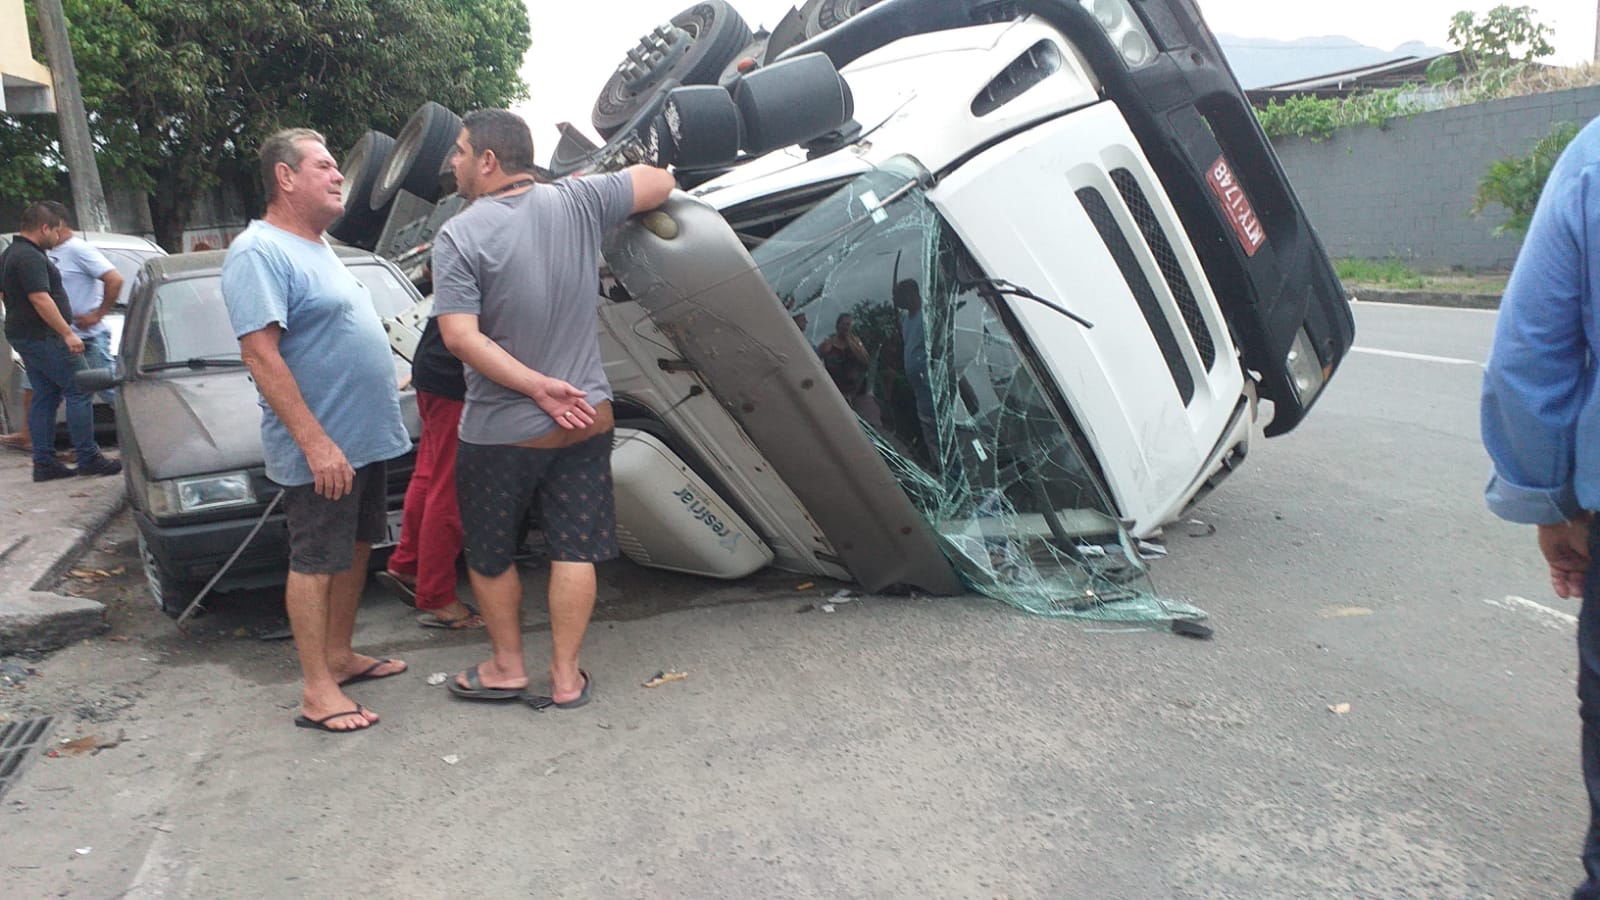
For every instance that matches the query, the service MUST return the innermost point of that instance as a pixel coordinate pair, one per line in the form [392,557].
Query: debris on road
[1191,628]
[1339,709]
[451,760]
[437,678]
[11,673]
[89,743]
[1346,612]
[668,677]
[805,586]
[1198,529]
[83,851]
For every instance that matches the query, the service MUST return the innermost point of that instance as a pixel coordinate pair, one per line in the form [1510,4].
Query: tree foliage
[1517,181]
[181,92]
[1506,35]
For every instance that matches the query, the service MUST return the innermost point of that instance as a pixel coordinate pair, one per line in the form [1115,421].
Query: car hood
[194,425]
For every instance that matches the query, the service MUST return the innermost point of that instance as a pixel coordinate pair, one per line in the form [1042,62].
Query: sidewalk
[43,528]
[1449,299]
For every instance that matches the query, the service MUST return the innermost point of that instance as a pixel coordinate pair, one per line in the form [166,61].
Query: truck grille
[1117,244]
[1155,236]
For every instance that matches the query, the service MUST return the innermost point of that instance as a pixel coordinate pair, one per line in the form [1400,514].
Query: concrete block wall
[1404,190]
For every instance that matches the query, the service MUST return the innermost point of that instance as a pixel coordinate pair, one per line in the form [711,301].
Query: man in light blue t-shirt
[330,413]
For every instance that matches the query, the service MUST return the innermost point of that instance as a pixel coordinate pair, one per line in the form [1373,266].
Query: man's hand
[74,343]
[1566,549]
[88,320]
[334,477]
[563,402]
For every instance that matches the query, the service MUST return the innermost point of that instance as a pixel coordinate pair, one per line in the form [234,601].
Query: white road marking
[1420,357]
[1553,618]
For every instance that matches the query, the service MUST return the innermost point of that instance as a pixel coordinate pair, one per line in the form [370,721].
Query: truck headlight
[1127,32]
[206,492]
[1305,369]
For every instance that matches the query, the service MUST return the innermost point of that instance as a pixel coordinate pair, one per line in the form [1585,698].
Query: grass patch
[1389,273]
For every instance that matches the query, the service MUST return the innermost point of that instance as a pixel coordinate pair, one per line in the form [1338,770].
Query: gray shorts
[496,485]
[323,533]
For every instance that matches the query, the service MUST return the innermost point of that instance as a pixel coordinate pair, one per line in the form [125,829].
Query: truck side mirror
[93,381]
[704,125]
[791,102]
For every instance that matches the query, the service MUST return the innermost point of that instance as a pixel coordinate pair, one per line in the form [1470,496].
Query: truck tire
[362,163]
[171,594]
[420,151]
[821,15]
[715,35]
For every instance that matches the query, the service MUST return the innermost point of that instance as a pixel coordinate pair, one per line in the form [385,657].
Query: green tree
[1505,36]
[181,92]
[1517,181]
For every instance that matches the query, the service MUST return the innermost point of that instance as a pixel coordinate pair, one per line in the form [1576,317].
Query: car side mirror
[93,381]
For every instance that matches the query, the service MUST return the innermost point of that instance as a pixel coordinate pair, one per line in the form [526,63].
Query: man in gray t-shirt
[516,282]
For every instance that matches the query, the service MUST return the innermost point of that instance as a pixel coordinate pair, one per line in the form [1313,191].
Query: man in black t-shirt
[424,564]
[39,328]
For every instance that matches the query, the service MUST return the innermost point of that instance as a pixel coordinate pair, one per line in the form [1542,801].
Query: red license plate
[1236,206]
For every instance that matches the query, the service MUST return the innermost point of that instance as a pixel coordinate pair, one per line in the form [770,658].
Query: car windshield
[189,320]
[925,354]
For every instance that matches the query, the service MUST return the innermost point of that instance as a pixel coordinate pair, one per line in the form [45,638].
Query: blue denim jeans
[50,368]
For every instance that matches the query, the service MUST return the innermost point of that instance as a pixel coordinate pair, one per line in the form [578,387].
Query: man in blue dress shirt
[1541,419]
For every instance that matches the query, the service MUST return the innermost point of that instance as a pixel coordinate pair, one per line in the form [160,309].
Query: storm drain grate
[18,740]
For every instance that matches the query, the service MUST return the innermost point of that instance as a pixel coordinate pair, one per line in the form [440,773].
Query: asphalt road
[900,748]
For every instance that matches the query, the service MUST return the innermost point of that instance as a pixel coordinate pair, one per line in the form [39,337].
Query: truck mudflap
[1265,263]
[702,289]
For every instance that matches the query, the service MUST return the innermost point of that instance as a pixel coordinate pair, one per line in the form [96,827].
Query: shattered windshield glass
[923,350]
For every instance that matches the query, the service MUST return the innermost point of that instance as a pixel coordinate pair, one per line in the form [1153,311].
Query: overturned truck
[955,295]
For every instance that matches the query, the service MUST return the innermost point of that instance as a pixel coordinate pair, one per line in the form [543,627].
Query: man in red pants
[423,566]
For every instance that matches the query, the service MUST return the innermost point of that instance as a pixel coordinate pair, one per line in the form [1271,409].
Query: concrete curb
[1443,299]
[32,615]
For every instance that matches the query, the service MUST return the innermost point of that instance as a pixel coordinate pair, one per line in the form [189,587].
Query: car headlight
[206,492]
[1127,32]
[1305,369]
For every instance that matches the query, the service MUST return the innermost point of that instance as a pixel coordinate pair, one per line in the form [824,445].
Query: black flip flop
[322,723]
[538,701]
[476,691]
[395,585]
[370,673]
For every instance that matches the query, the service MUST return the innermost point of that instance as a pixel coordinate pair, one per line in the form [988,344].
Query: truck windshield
[921,347]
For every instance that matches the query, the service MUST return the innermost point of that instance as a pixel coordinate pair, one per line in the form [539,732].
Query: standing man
[1541,419]
[516,282]
[93,285]
[330,413]
[39,327]
[423,566]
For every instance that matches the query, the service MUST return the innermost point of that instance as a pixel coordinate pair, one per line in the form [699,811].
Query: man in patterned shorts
[516,283]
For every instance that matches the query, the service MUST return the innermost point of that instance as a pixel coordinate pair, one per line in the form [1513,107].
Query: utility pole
[88,197]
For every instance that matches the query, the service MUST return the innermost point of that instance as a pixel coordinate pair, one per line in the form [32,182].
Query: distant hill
[1259,62]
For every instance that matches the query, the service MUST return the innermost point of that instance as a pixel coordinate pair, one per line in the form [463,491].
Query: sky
[576,46]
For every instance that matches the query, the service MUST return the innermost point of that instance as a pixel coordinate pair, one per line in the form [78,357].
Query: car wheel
[171,594]
[693,48]
[821,15]
[420,151]
[362,164]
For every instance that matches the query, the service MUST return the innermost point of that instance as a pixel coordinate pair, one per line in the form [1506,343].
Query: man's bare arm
[113,281]
[563,402]
[45,306]
[651,186]
[332,472]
